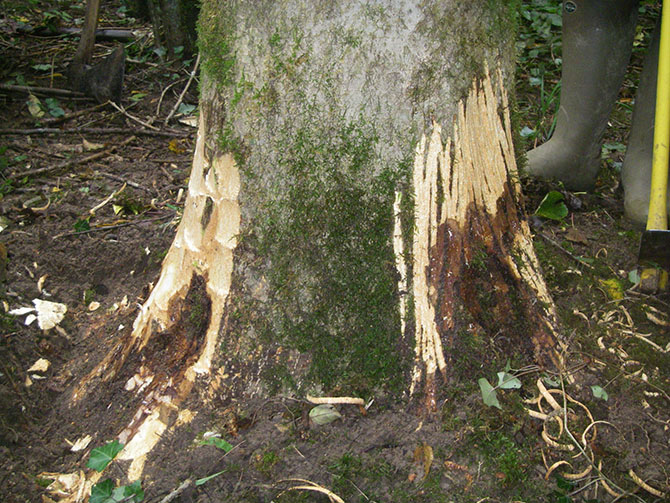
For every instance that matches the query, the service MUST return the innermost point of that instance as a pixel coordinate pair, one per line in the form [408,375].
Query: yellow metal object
[653,280]
[657,235]
[658,217]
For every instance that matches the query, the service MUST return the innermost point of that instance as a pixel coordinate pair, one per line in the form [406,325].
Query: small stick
[41,90]
[109,227]
[120,179]
[132,117]
[181,96]
[177,491]
[166,172]
[557,245]
[72,115]
[71,162]
[87,130]
[167,88]
[107,200]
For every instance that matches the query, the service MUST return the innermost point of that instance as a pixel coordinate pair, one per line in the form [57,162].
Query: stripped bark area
[475,269]
[175,334]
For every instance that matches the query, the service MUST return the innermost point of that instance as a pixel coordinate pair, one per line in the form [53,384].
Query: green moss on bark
[325,106]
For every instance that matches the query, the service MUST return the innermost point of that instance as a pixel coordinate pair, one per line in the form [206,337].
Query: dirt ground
[60,243]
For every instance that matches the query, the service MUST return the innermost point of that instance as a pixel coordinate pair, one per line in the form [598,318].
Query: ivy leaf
[102,491]
[552,206]
[102,456]
[131,493]
[82,225]
[599,392]
[218,443]
[508,381]
[105,492]
[488,393]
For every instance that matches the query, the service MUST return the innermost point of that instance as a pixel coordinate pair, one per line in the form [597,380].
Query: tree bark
[174,23]
[353,222]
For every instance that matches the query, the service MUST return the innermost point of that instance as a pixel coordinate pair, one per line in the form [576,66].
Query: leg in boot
[597,43]
[636,172]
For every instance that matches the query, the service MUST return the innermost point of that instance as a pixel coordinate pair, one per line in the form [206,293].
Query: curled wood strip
[607,488]
[335,400]
[547,396]
[644,485]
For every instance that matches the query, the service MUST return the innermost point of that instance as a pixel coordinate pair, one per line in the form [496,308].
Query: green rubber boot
[597,43]
[636,172]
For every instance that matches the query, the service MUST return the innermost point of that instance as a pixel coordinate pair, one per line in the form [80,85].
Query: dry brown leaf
[423,455]
[576,236]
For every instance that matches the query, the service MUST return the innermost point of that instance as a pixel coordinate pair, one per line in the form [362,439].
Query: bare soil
[619,338]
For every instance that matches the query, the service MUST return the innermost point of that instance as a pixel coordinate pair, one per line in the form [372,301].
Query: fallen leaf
[576,236]
[174,146]
[324,414]
[34,106]
[88,146]
[189,121]
[423,455]
[41,365]
[93,306]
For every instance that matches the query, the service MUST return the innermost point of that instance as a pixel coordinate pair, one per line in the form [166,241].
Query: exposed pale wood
[466,195]
[203,248]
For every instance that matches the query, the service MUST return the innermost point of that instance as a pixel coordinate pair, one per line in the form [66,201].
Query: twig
[181,96]
[121,179]
[557,245]
[110,227]
[72,115]
[101,131]
[107,199]
[72,162]
[132,117]
[41,90]
[167,88]
[184,485]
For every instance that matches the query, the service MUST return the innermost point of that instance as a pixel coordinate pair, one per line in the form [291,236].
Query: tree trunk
[174,23]
[353,222]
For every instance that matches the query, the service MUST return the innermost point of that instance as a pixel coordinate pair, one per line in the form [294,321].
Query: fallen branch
[85,130]
[557,245]
[41,90]
[132,117]
[101,34]
[71,115]
[72,162]
[184,485]
[121,179]
[110,227]
[183,93]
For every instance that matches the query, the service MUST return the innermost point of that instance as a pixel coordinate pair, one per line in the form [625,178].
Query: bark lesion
[475,271]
